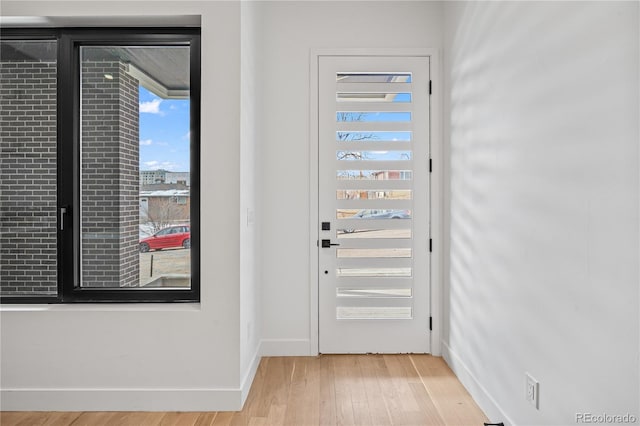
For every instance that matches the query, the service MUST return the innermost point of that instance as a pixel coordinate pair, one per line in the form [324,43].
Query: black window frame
[68,159]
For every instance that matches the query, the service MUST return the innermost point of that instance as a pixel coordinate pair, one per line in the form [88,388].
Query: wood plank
[223,418]
[38,418]
[403,404]
[278,380]
[100,418]
[372,368]
[352,380]
[206,419]
[136,418]
[276,414]
[344,407]
[258,421]
[304,393]
[427,409]
[239,418]
[327,396]
[179,419]
[59,418]
[451,399]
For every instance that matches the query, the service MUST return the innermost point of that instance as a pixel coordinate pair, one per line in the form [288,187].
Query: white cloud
[151,107]
[166,165]
[147,142]
[187,136]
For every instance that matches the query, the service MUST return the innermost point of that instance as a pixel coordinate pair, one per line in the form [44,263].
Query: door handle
[328,243]
[63,211]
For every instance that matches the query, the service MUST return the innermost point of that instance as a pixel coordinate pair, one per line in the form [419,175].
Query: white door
[373,230]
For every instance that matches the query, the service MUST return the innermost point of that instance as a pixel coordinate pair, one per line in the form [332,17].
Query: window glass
[28,167]
[135,145]
[361,77]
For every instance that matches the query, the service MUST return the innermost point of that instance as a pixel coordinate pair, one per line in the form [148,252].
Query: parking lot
[167,262]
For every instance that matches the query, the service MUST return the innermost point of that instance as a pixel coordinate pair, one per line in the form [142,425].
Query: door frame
[437,182]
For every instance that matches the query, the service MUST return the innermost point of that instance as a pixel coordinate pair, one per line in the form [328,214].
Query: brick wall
[28,207]
[129,180]
[110,174]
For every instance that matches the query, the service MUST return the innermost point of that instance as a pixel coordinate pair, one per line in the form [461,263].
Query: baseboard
[285,347]
[474,387]
[247,380]
[121,399]
[150,399]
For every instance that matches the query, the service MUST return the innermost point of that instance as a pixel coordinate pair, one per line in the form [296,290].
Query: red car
[173,236]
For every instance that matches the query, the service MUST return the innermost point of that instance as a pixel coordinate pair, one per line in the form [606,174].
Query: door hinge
[430,89]
[430,165]
[430,245]
[430,323]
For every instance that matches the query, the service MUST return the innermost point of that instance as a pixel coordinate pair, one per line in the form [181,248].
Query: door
[374,262]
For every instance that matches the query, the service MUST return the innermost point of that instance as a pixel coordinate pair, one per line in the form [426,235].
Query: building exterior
[162,205]
[183,178]
[150,177]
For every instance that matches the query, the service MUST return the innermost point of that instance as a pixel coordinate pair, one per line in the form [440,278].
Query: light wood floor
[370,390]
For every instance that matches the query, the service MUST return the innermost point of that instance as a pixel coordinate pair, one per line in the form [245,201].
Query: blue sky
[367,137]
[164,133]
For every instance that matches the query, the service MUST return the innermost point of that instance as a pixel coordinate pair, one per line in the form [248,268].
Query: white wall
[168,357]
[543,268]
[289,31]
[250,210]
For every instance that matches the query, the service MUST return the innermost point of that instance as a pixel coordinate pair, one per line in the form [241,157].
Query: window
[180,200]
[96,128]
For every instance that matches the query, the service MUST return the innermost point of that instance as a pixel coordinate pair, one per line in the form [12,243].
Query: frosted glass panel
[346,312]
[370,194]
[374,174]
[373,272]
[373,155]
[373,292]
[373,77]
[375,214]
[373,136]
[374,252]
[373,97]
[373,116]
[356,233]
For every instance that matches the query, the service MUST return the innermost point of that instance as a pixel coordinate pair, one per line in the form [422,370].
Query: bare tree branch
[161,212]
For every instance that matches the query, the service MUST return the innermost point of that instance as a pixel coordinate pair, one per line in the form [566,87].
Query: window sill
[102,307]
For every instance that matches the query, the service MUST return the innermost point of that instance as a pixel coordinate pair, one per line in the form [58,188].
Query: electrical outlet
[532,390]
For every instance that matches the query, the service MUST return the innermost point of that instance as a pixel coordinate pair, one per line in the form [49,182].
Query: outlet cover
[532,390]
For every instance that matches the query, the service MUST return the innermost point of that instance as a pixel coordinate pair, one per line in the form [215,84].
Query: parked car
[376,214]
[170,237]
[381,214]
